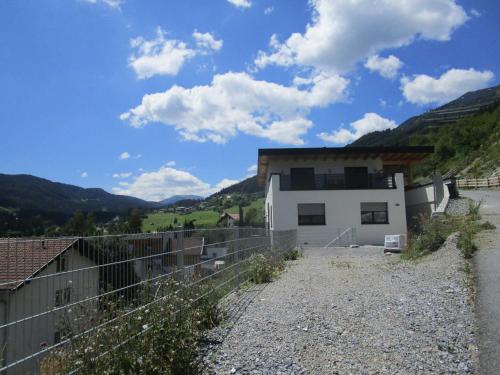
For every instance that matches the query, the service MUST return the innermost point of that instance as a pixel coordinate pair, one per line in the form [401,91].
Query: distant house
[36,281]
[157,254]
[228,220]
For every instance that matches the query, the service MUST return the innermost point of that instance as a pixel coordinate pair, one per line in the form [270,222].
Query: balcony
[337,181]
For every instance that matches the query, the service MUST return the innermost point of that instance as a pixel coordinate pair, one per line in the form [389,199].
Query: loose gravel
[351,311]
[458,206]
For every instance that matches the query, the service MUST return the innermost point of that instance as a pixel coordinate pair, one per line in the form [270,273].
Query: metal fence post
[237,249]
[180,271]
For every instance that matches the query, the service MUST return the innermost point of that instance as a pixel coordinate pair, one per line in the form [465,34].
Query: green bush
[293,254]
[432,232]
[487,226]
[261,269]
[473,211]
[161,337]
[465,240]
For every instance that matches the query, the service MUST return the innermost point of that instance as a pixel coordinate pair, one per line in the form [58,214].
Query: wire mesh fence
[54,291]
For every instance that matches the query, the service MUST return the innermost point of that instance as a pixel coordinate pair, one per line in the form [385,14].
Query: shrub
[293,254]
[261,269]
[487,226]
[432,232]
[465,240]
[473,210]
[161,337]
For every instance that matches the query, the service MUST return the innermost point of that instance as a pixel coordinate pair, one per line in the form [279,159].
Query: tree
[135,221]
[242,218]
[252,216]
[79,225]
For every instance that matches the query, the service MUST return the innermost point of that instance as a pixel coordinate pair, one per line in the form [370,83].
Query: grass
[204,219]
[160,220]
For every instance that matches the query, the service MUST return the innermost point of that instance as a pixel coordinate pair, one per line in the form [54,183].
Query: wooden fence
[474,183]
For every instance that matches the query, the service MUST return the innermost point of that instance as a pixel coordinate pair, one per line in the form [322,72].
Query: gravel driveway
[352,311]
[487,266]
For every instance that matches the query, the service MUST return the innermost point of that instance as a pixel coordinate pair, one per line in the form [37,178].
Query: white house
[228,220]
[38,278]
[322,192]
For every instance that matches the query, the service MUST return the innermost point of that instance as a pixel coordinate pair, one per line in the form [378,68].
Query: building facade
[323,192]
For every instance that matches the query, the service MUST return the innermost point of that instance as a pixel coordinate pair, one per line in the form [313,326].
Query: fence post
[180,256]
[237,249]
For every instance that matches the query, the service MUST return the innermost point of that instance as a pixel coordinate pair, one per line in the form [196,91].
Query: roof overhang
[400,155]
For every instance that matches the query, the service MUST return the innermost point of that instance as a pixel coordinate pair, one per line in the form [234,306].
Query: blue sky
[156,98]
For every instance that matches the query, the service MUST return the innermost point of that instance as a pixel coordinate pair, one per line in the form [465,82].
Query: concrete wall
[36,297]
[427,199]
[342,211]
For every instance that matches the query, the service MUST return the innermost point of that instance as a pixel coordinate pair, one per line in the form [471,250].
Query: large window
[311,213]
[302,178]
[374,213]
[356,177]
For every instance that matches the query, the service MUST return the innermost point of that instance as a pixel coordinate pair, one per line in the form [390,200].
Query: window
[63,296]
[374,213]
[356,177]
[302,178]
[61,263]
[57,337]
[311,214]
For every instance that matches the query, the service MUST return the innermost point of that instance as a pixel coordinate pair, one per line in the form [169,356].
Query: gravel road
[352,311]
[487,266]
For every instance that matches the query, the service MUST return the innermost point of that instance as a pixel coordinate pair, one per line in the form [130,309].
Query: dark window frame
[310,220]
[373,219]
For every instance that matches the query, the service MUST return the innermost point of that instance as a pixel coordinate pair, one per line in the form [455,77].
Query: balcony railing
[337,181]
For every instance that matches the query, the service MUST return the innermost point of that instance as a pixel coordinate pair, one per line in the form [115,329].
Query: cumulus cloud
[114,4]
[170,163]
[423,89]
[268,10]
[158,56]
[206,41]
[236,102]
[122,175]
[387,67]
[370,122]
[162,56]
[124,155]
[241,3]
[167,181]
[341,33]
[252,168]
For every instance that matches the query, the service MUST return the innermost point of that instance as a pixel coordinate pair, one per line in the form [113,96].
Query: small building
[228,220]
[322,192]
[38,277]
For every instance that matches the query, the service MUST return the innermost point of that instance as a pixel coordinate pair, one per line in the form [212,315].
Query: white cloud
[387,67]
[84,175]
[166,182]
[241,3]
[114,4]
[423,89]
[236,102]
[162,56]
[170,163]
[122,175]
[252,168]
[383,103]
[268,10]
[370,122]
[475,12]
[206,41]
[124,155]
[342,33]
[158,56]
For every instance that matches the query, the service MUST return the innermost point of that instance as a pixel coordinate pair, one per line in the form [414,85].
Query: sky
[154,98]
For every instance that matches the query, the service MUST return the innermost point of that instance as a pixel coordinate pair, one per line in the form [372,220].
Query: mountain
[247,186]
[54,202]
[469,104]
[177,198]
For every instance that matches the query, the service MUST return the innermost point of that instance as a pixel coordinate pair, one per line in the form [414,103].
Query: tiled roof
[22,258]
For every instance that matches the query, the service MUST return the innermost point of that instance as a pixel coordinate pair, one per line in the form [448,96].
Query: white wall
[342,211]
[38,296]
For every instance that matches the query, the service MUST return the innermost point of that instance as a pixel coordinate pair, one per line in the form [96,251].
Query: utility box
[394,243]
